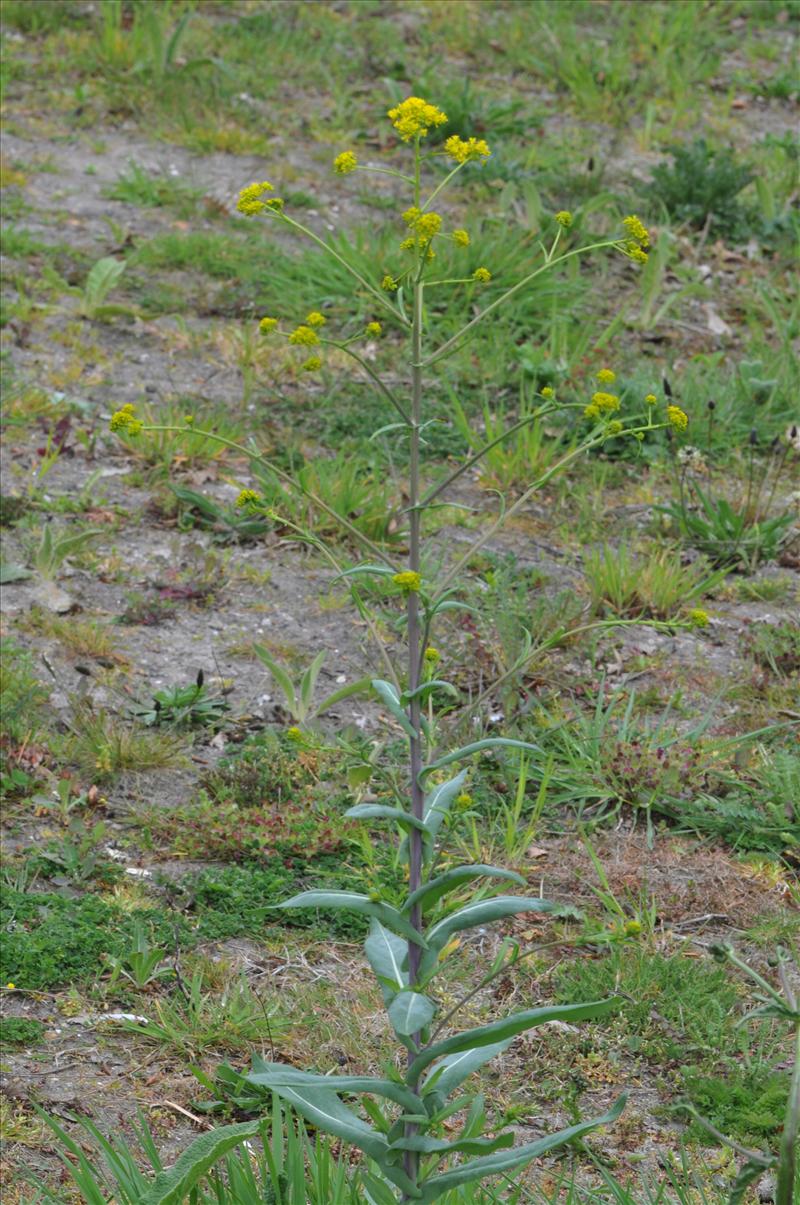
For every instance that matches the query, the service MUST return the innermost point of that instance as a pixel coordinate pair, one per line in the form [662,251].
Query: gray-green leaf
[410,1012]
[175,1183]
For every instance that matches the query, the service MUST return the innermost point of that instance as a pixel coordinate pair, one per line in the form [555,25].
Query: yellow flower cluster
[312,364]
[483,275]
[250,198]
[408,581]
[564,218]
[315,318]
[432,655]
[638,239]
[651,399]
[547,391]
[678,418]
[602,403]
[247,498]
[606,377]
[615,427]
[465,151]
[126,420]
[344,163]
[373,328]
[426,225]
[698,618]
[637,230]
[461,238]
[304,336]
[389,284]
[414,117]
[267,324]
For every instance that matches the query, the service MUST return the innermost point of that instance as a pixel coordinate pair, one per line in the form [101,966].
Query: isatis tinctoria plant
[408,1111]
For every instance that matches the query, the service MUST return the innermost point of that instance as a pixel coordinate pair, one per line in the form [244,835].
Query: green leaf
[477,747]
[466,1146]
[278,1075]
[102,278]
[324,1109]
[482,912]
[390,698]
[410,1012]
[10,572]
[279,674]
[423,691]
[453,1069]
[387,915]
[439,800]
[509,1027]
[504,1161]
[388,956]
[309,679]
[346,692]
[369,811]
[175,1183]
[432,891]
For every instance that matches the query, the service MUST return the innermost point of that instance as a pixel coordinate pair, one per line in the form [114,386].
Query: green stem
[373,377]
[376,293]
[282,476]
[787,1155]
[412,1160]
[550,263]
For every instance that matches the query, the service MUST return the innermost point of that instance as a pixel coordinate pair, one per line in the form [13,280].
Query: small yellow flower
[188,419]
[344,163]
[408,580]
[408,244]
[637,230]
[635,252]
[605,402]
[414,117]
[698,618]
[10,986]
[432,655]
[615,427]
[465,151]
[461,237]
[633,928]
[124,420]
[564,218]
[304,336]
[464,800]
[606,377]
[374,328]
[591,411]
[315,318]
[651,399]
[547,391]
[428,224]
[482,274]
[247,498]
[389,284]
[249,198]
[312,364]
[411,214]
[267,324]
[678,418]
[294,733]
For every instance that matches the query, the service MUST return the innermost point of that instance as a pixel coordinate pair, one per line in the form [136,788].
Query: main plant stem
[415,663]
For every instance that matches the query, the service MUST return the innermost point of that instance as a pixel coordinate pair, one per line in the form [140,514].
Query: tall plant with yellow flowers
[411,1106]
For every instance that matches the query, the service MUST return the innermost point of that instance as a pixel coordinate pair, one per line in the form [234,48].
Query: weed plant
[409,940]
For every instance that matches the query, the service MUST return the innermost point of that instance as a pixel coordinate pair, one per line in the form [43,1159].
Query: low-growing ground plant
[409,941]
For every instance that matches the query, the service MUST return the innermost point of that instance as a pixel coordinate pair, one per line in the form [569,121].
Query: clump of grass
[656,585]
[103,744]
[156,190]
[701,187]
[83,637]
[165,449]
[776,647]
